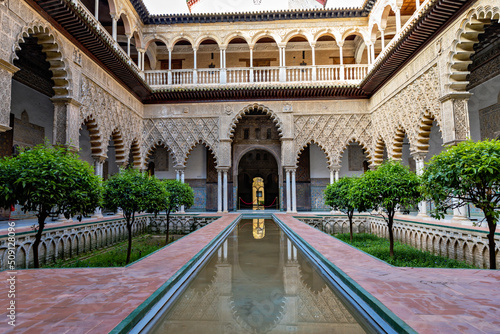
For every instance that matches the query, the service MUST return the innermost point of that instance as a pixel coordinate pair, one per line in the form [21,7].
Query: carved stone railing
[462,244]
[68,241]
[351,73]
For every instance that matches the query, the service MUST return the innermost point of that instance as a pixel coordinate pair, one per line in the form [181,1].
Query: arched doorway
[258,181]
[256,152]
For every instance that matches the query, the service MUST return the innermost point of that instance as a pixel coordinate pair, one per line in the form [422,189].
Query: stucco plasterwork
[111,117]
[332,133]
[405,110]
[181,135]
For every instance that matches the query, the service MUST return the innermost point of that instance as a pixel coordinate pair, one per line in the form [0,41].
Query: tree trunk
[38,238]
[350,214]
[129,230]
[168,225]
[390,220]
[491,238]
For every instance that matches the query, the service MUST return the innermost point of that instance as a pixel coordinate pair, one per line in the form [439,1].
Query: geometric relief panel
[332,132]
[180,135]
[407,108]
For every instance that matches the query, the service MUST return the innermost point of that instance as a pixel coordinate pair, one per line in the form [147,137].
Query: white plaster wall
[344,166]
[435,142]
[170,174]
[38,106]
[112,166]
[85,147]
[318,163]
[483,95]
[196,167]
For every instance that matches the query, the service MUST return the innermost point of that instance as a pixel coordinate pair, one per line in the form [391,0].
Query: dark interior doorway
[258,164]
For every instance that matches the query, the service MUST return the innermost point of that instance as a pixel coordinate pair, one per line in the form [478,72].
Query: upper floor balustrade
[349,73]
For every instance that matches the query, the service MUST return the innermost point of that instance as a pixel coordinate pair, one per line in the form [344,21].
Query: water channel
[258,282]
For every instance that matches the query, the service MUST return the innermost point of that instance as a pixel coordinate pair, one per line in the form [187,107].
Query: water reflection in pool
[257,282]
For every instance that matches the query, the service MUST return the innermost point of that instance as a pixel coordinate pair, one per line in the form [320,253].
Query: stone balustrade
[349,73]
[68,241]
[462,244]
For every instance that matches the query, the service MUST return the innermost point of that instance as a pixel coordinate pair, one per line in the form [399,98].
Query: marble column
[96,10]
[294,192]
[225,201]
[419,158]
[219,190]
[114,20]
[98,170]
[382,38]
[398,20]
[288,192]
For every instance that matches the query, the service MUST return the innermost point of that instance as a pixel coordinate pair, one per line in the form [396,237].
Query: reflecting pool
[257,282]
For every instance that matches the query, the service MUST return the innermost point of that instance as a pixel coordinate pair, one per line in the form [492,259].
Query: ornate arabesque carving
[332,133]
[51,46]
[463,45]
[181,135]
[406,109]
[111,117]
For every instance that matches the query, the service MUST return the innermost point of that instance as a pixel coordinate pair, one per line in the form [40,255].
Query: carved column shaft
[456,126]
[6,72]
[66,123]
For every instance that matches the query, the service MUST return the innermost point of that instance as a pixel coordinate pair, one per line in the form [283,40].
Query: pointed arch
[52,47]
[274,117]
[462,47]
[212,150]
[361,143]
[95,135]
[317,143]
[160,143]
[117,138]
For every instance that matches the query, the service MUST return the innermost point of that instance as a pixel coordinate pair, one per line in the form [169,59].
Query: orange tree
[467,173]
[133,192]
[389,186]
[342,196]
[48,181]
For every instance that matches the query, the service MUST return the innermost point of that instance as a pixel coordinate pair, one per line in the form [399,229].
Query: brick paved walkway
[96,300]
[429,300]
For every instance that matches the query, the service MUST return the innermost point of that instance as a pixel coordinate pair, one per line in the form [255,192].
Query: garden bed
[116,255]
[404,255]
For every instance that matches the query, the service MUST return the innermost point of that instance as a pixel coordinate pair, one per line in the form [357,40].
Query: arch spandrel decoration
[181,135]
[332,133]
[407,108]
[52,47]
[109,115]
[274,117]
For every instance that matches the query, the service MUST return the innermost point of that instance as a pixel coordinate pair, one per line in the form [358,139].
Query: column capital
[419,155]
[99,158]
[290,169]
[222,168]
[340,43]
[335,168]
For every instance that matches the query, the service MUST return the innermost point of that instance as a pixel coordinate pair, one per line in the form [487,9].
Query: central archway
[256,152]
[255,164]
